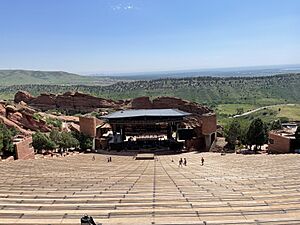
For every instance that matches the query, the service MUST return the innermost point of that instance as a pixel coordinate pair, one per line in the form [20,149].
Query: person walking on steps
[180,163]
[184,162]
[202,161]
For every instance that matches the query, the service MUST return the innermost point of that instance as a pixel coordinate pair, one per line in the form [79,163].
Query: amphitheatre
[230,189]
[227,189]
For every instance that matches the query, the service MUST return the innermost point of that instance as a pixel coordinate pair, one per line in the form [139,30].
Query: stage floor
[144,156]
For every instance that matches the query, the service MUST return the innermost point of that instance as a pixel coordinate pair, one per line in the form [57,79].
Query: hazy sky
[147,35]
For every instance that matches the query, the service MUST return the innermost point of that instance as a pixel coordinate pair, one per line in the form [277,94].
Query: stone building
[94,128]
[23,147]
[284,141]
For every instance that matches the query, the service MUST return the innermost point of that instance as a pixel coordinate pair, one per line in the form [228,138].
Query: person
[184,162]
[93,158]
[87,220]
[180,162]
[202,161]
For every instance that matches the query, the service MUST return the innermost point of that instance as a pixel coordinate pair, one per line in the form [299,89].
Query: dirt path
[260,108]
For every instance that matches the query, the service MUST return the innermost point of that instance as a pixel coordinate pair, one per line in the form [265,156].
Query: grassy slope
[206,90]
[21,77]
[214,91]
[290,112]
[231,109]
[223,94]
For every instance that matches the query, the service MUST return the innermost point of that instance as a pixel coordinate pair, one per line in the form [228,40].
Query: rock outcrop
[23,96]
[169,103]
[21,117]
[178,103]
[2,110]
[141,103]
[11,124]
[27,121]
[69,101]
[78,102]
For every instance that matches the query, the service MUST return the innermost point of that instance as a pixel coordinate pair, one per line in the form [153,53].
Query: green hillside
[24,77]
[212,91]
[227,96]
[289,112]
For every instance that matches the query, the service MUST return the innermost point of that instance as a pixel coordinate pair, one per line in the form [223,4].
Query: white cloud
[123,7]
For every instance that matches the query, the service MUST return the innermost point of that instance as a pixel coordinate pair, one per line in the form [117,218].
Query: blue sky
[87,36]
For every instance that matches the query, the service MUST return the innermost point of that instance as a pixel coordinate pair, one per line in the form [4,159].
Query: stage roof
[146,113]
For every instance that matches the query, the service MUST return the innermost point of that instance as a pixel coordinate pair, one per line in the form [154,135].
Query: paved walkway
[230,189]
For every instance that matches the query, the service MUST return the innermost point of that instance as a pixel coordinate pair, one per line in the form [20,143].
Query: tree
[257,133]
[63,140]
[68,141]
[276,125]
[41,141]
[233,133]
[239,111]
[6,139]
[85,142]
[55,136]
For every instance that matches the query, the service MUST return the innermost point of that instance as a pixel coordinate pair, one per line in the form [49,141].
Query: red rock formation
[169,103]
[141,103]
[44,101]
[74,119]
[79,102]
[28,122]
[69,101]
[23,96]
[178,103]
[2,110]
[11,124]
[21,117]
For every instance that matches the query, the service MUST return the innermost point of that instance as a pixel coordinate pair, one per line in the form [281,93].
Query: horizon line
[116,73]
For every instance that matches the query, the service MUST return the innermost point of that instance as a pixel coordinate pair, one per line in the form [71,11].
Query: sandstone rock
[74,119]
[11,124]
[141,103]
[44,101]
[74,127]
[69,101]
[23,96]
[11,108]
[173,102]
[84,103]
[2,110]
[27,110]
[23,103]
[169,103]
[26,121]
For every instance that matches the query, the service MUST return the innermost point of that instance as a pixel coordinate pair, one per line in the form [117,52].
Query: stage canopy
[144,115]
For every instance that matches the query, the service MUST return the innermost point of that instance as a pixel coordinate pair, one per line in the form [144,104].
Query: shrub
[54,122]
[41,141]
